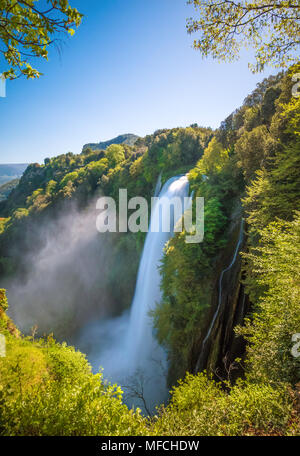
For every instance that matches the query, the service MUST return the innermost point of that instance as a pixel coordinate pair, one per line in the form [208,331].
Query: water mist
[126,346]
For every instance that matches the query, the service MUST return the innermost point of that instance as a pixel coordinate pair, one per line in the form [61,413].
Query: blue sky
[129,68]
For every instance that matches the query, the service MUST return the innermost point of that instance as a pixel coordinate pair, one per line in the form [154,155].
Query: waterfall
[141,343]
[132,356]
[143,354]
[158,185]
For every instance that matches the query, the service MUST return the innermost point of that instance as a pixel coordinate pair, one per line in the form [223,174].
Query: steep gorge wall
[217,345]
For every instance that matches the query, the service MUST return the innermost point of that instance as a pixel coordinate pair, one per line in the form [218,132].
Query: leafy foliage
[27,31]
[276,316]
[270,28]
[47,388]
[214,158]
[200,406]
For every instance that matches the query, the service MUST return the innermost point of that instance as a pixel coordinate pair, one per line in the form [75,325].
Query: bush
[200,406]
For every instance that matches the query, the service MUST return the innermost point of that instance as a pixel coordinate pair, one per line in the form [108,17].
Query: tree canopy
[27,31]
[270,27]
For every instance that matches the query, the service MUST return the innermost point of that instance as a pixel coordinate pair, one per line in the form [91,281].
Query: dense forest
[251,165]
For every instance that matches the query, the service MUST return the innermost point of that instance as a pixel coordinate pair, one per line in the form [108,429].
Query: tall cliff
[217,346]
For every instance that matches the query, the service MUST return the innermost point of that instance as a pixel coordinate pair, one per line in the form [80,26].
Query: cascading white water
[143,356]
[141,344]
[131,356]
[158,185]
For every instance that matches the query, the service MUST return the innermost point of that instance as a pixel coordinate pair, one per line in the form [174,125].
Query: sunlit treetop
[270,27]
[27,29]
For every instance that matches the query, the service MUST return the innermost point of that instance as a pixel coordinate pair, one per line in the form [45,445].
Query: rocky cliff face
[217,345]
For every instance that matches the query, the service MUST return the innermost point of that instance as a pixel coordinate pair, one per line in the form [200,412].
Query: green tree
[270,27]
[115,154]
[274,264]
[252,149]
[70,177]
[275,191]
[27,31]
[200,406]
[214,158]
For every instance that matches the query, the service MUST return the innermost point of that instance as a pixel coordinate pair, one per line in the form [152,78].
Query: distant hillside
[128,139]
[9,172]
[6,188]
